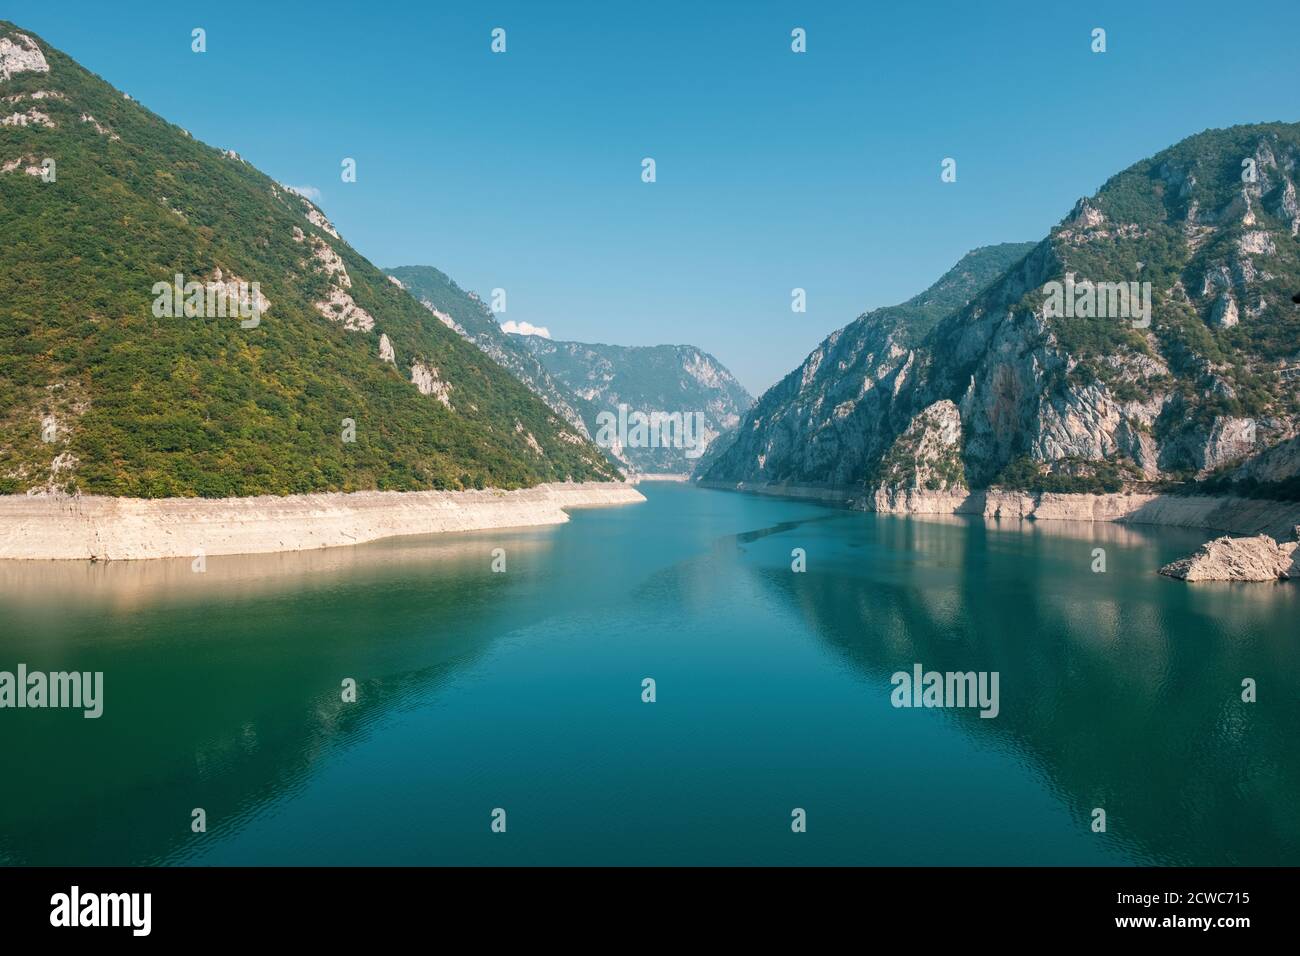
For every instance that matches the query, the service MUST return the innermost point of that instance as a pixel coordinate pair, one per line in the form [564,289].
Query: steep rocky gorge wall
[62,527]
[1195,378]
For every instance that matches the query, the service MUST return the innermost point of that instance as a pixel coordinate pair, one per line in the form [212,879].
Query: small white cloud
[525,328]
[307,192]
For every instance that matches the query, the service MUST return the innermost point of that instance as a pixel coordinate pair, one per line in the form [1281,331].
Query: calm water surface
[522,691]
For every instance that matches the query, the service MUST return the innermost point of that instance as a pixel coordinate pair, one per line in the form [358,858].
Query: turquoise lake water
[523,691]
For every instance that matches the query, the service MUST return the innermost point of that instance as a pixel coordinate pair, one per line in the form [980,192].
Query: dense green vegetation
[1077,477]
[440,290]
[1180,221]
[437,290]
[180,407]
[1202,356]
[1225,483]
[914,318]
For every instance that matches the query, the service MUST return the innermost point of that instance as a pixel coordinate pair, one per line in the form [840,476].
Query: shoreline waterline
[1220,513]
[94,527]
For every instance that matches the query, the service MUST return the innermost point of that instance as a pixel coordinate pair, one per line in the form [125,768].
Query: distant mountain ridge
[648,379]
[1008,391]
[466,314]
[580,381]
[344,383]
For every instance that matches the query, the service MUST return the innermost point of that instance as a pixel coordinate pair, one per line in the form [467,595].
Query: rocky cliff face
[661,379]
[928,452]
[832,420]
[1150,337]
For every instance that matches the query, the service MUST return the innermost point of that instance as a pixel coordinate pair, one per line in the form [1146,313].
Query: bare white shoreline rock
[59,527]
[1238,559]
[1227,513]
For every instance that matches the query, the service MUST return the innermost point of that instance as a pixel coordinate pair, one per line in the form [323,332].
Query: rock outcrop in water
[1239,559]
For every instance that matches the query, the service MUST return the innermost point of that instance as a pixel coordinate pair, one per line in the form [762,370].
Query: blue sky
[775,170]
